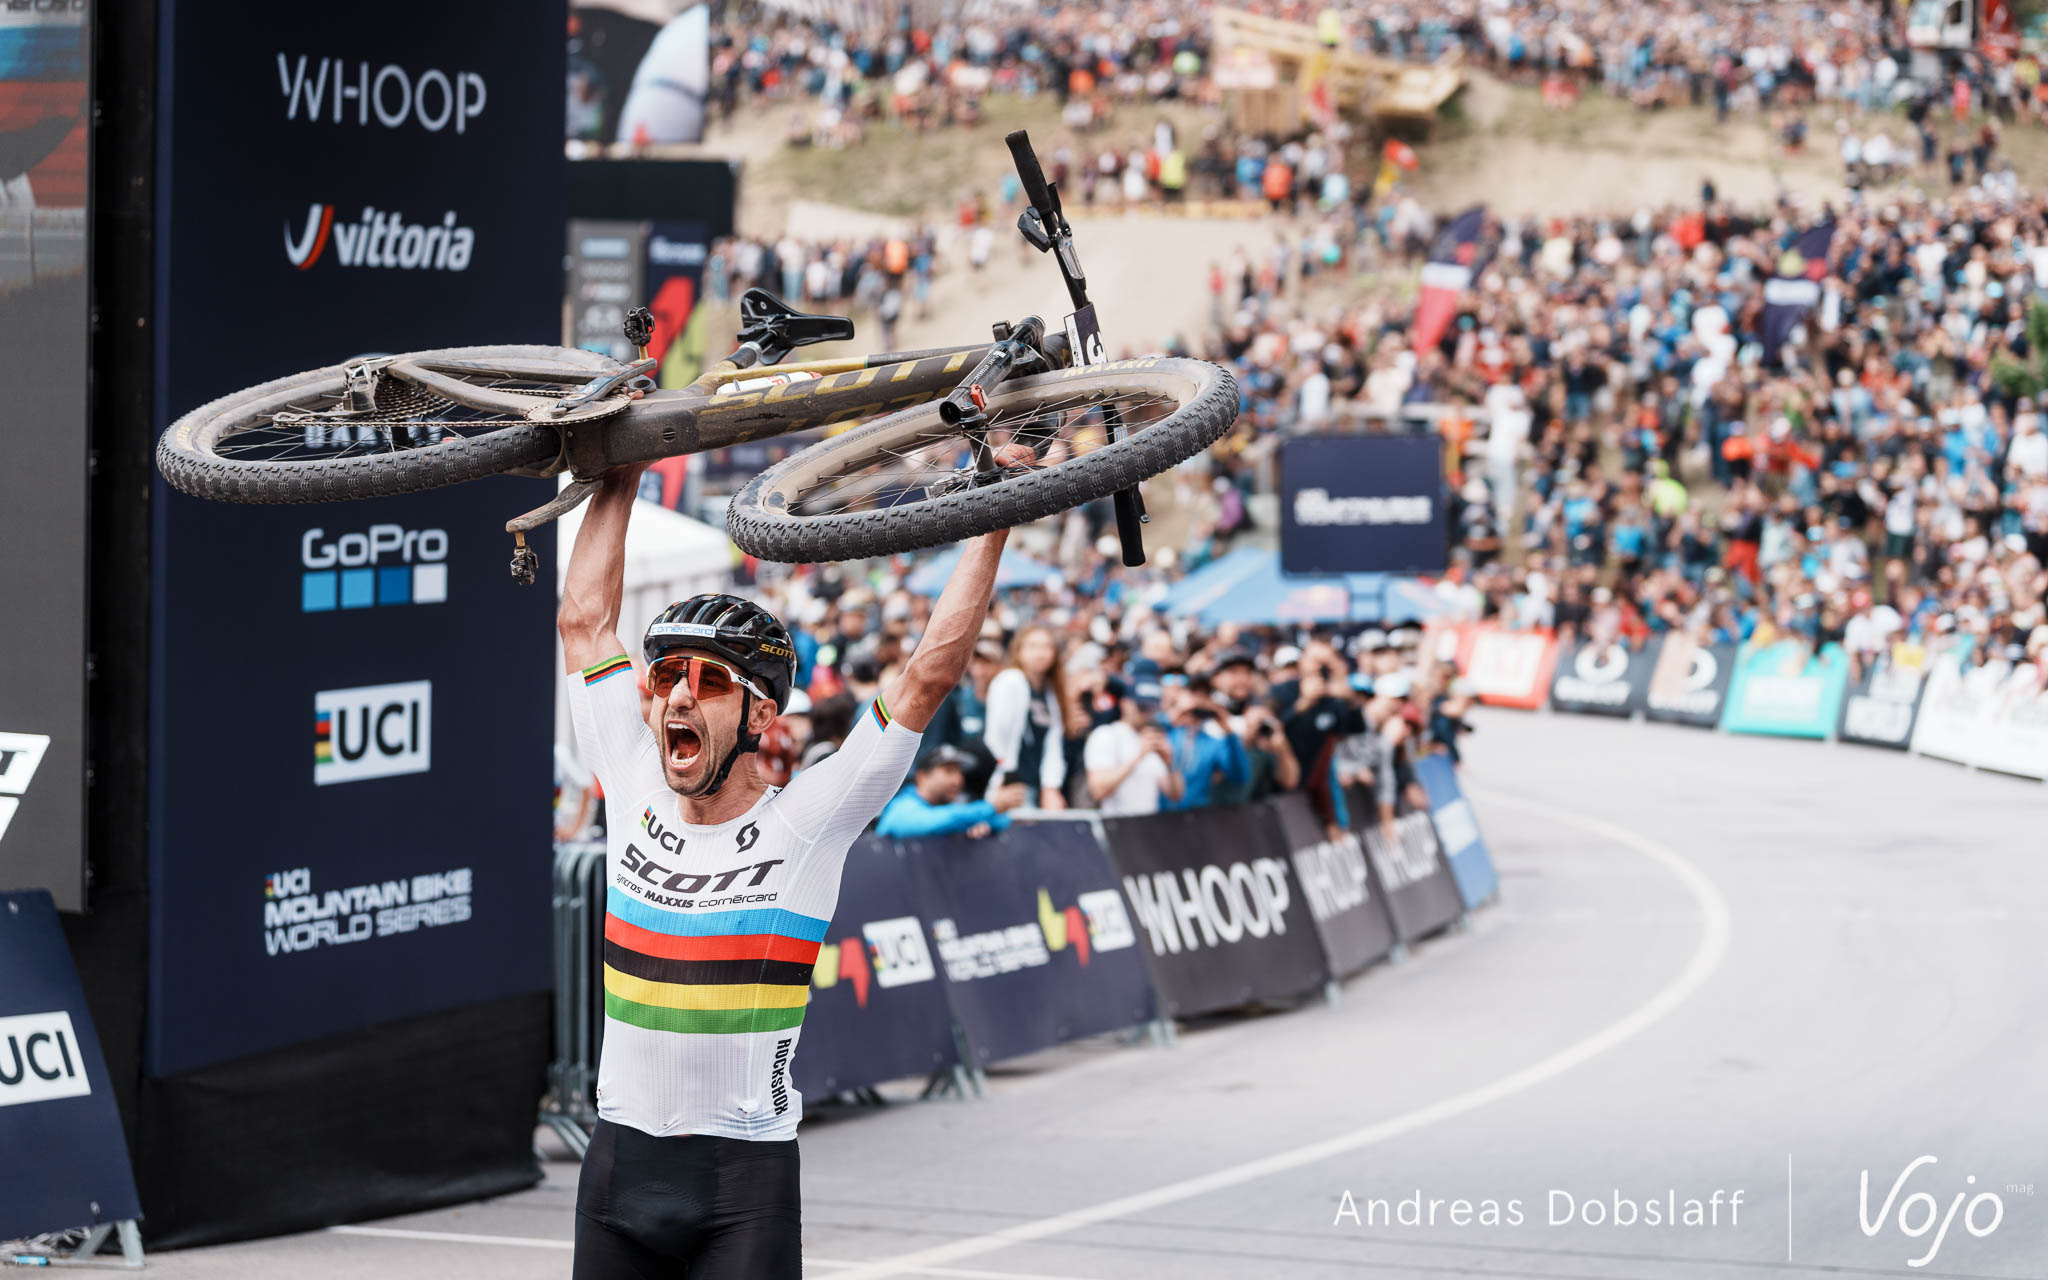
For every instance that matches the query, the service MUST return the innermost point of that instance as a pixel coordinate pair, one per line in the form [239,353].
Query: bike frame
[699,418]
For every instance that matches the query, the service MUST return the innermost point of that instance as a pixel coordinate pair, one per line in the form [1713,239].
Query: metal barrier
[570,1108]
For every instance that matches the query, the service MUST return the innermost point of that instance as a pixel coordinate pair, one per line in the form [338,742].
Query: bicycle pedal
[525,566]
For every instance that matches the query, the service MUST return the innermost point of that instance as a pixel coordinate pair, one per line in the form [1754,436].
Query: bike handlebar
[1028,172]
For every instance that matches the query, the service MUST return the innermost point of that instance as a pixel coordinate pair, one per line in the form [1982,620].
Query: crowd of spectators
[1631,458]
[1631,453]
[1733,55]
[1081,695]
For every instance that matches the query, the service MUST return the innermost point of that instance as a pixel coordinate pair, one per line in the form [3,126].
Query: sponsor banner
[1606,679]
[1457,831]
[878,999]
[1786,690]
[63,1159]
[1993,715]
[1342,888]
[1509,668]
[46,106]
[1688,682]
[1362,504]
[1421,895]
[607,279]
[367,869]
[1217,907]
[1878,709]
[1033,937]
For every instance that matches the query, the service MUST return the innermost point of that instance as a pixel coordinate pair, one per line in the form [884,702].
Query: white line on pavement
[453,1237]
[536,1242]
[1706,957]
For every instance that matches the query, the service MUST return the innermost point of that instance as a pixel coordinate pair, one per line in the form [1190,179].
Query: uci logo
[288,884]
[39,1059]
[378,731]
[1919,1211]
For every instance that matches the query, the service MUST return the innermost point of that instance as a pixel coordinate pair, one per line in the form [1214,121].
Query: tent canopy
[1015,570]
[1246,586]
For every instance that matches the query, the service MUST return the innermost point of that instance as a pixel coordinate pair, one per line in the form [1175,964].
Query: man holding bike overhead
[720,890]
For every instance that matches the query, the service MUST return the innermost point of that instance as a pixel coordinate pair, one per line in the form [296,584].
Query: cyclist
[720,889]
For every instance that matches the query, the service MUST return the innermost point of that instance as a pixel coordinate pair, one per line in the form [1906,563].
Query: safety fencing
[1948,702]
[947,955]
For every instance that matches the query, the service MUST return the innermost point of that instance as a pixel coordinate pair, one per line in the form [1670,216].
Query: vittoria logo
[374,732]
[379,238]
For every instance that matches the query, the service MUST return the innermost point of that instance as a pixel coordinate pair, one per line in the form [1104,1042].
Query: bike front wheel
[383,425]
[911,480]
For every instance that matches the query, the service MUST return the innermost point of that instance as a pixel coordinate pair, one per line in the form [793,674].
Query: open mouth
[683,746]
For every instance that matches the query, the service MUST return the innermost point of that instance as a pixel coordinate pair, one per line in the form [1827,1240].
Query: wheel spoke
[932,461]
[324,425]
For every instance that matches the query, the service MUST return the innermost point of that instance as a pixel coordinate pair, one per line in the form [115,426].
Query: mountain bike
[932,460]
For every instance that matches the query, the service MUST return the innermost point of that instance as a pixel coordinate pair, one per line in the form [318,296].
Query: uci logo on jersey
[379,731]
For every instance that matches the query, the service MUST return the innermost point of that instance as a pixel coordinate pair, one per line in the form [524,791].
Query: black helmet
[740,631]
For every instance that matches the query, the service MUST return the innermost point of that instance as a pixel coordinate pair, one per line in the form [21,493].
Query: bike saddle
[776,328]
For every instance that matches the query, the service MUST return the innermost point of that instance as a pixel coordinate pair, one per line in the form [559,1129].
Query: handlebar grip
[1029,173]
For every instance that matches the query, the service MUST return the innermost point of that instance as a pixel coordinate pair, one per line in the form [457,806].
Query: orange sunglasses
[705,677]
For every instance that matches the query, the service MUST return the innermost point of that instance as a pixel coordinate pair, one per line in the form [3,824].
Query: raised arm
[589,617]
[940,658]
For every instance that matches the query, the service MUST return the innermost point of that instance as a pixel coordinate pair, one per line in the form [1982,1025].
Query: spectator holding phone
[1129,761]
[1209,758]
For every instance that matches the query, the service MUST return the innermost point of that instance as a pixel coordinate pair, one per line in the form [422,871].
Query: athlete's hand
[1016,454]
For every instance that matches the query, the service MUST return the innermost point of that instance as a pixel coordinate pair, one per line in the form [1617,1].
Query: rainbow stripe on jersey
[711,973]
[606,669]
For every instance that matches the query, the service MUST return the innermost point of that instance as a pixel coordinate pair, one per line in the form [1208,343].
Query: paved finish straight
[1873,998]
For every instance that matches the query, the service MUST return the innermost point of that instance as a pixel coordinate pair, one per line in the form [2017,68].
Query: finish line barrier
[947,954]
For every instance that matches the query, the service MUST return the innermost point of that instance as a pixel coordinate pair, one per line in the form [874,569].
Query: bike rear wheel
[383,426]
[908,480]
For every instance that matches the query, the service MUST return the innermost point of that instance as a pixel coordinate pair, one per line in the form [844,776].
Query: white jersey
[710,932]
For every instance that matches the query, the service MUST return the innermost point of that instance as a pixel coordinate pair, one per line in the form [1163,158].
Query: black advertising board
[45,63]
[65,1162]
[1420,892]
[1033,937]
[350,727]
[1342,888]
[1882,704]
[878,1001]
[1217,906]
[1362,504]
[1688,682]
[1600,679]
[702,191]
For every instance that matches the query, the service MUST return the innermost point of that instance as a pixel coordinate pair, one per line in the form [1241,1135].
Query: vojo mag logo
[379,238]
[379,731]
[384,564]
